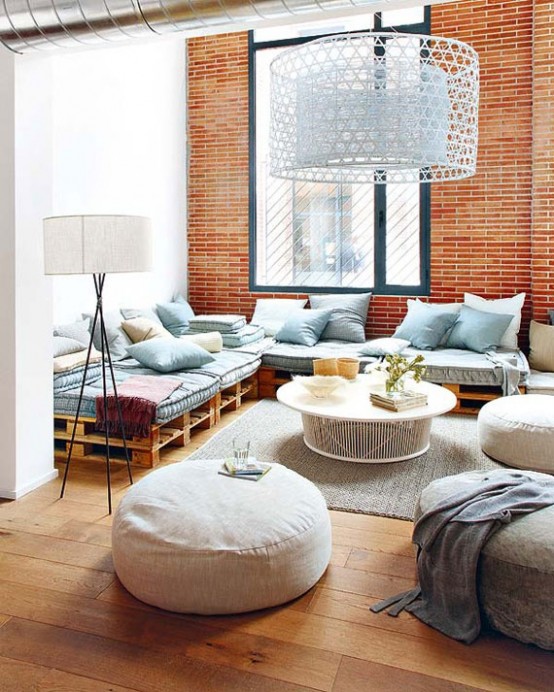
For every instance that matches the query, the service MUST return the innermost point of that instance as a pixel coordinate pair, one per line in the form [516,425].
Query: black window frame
[380,206]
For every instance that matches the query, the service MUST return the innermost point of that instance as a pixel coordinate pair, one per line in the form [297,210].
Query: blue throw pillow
[304,327]
[175,317]
[478,331]
[425,328]
[348,316]
[168,355]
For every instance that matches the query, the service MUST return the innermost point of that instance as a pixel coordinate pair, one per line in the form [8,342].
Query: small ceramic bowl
[319,386]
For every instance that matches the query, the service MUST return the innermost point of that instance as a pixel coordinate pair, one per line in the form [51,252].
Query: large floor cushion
[516,568]
[519,431]
[190,540]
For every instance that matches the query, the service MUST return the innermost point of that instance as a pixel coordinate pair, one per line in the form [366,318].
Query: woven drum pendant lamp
[375,108]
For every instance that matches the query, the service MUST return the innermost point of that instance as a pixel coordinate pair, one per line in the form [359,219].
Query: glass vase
[394,386]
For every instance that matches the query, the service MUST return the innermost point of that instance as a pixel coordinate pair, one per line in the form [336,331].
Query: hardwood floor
[67,624]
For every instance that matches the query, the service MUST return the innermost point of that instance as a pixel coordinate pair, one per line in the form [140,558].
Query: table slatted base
[366,441]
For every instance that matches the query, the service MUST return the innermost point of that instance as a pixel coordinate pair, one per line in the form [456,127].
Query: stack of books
[253,470]
[399,401]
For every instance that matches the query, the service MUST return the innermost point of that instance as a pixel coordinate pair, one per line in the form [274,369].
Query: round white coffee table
[347,426]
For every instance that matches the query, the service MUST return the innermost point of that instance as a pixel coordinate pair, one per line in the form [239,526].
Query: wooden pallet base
[269,381]
[472,398]
[145,451]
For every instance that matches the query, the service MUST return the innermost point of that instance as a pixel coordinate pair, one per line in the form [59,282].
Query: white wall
[119,148]
[26,453]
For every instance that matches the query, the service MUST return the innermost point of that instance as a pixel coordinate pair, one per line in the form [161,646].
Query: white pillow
[384,346]
[501,306]
[272,313]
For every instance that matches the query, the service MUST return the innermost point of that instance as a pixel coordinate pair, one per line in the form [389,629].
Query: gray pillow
[478,331]
[75,330]
[169,354]
[117,339]
[149,313]
[304,327]
[348,316]
[63,346]
[425,328]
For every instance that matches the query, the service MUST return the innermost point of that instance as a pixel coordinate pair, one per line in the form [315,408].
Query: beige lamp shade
[97,244]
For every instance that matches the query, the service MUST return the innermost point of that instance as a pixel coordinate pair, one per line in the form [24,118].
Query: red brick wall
[481,228]
[543,160]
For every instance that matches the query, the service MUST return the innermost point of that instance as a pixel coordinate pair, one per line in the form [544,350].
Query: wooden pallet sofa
[472,377]
[463,366]
[205,393]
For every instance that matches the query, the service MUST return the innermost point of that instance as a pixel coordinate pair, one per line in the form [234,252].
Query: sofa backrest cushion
[348,316]
[478,331]
[304,327]
[423,327]
[272,313]
[501,306]
[175,317]
[541,346]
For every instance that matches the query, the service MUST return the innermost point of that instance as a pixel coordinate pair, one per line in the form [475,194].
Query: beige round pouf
[519,431]
[190,540]
[516,569]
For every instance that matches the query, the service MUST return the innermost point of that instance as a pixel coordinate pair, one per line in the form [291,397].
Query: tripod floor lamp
[98,245]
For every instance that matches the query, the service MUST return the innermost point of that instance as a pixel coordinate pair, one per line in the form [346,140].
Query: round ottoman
[190,540]
[519,431]
[516,574]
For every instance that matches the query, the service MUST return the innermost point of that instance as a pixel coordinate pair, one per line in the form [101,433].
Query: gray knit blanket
[450,536]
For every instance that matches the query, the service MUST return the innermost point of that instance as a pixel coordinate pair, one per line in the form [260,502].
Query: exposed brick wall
[543,160]
[481,227]
[480,237]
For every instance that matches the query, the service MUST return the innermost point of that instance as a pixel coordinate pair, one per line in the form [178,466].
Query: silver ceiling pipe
[27,25]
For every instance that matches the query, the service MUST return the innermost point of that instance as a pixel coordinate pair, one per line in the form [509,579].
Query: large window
[322,236]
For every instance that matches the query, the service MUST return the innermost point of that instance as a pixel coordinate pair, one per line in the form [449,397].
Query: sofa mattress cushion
[297,358]
[195,390]
[458,366]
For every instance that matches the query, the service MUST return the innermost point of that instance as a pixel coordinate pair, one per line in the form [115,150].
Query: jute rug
[389,490]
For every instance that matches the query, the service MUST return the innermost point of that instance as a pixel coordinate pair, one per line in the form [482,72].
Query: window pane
[311,234]
[324,234]
[338,25]
[403,244]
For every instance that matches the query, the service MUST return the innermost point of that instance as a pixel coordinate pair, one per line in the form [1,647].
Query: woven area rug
[389,490]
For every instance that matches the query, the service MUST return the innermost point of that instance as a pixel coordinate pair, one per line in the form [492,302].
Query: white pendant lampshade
[375,108]
[97,244]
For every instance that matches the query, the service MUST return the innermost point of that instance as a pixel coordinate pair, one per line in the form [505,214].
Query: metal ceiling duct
[28,25]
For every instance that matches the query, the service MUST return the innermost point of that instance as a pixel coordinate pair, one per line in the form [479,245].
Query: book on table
[399,401]
[253,470]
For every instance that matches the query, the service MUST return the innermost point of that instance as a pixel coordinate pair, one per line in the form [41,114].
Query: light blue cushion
[424,328]
[167,355]
[304,327]
[175,317]
[348,317]
[179,299]
[478,331]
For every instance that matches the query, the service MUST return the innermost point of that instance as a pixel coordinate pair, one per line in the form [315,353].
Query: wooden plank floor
[67,624]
